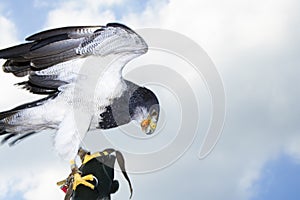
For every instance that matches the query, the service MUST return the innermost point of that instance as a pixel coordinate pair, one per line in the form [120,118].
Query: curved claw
[83,180]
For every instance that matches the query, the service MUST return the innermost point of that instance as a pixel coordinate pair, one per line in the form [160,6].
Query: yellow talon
[83,180]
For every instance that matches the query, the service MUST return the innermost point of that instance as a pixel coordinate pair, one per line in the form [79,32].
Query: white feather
[70,134]
[141,113]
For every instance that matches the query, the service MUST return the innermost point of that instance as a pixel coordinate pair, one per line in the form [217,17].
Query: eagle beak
[148,126]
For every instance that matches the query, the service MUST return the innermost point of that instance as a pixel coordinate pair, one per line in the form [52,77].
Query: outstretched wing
[49,58]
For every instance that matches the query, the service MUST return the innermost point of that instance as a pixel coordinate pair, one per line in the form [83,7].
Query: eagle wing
[48,57]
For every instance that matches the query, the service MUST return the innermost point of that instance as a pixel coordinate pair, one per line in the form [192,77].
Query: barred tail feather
[12,137]
[11,130]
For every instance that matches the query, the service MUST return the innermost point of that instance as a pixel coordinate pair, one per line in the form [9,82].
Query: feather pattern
[52,61]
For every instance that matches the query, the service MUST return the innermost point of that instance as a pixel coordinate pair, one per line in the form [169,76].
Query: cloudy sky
[254,45]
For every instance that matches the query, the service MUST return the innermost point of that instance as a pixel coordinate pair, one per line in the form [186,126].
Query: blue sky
[35,12]
[255,46]
[35,15]
[280,180]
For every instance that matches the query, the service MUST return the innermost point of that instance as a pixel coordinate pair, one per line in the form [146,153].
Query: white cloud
[38,185]
[33,183]
[8,32]
[85,12]
[223,28]
[292,147]
[248,41]
[31,169]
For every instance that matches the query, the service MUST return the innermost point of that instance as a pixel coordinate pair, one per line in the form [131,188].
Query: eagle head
[144,108]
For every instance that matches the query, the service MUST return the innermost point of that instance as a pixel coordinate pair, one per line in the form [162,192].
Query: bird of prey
[52,62]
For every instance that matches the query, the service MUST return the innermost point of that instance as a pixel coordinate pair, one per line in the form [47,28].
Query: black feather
[46,81]
[72,31]
[37,89]
[117,113]
[48,61]
[115,24]
[49,40]
[2,128]
[16,51]
[19,69]
[53,48]
[6,138]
